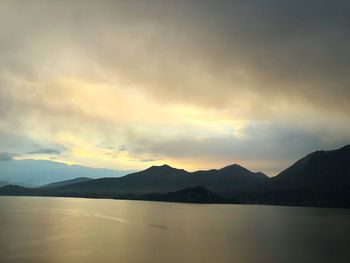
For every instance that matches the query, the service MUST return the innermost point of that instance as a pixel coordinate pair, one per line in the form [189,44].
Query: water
[43,229]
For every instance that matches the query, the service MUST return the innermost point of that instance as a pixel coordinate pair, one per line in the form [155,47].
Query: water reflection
[35,229]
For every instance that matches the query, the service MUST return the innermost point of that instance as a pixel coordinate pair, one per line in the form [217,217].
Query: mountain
[3,183]
[15,190]
[67,182]
[323,170]
[230,178]
[35,173]
[166,179]
[321,178]
[197,194]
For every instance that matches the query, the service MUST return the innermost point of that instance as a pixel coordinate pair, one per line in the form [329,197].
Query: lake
[48,229]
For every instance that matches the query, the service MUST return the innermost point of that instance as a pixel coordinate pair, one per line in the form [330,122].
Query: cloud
[199,52]
[45,151]
[119,82]
[5,156]
[146,160]
[269,147]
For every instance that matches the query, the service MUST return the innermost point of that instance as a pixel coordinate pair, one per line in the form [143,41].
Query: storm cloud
[260,82]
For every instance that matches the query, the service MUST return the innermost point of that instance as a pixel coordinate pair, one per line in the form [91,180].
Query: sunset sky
[194,84]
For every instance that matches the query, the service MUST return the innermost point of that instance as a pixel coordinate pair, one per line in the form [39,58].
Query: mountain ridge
[165,178]
[321,178]
[67,182]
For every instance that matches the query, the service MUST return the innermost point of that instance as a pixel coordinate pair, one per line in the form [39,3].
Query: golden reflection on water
[40,229]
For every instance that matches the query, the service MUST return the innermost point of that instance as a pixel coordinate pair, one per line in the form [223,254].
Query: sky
[194,84]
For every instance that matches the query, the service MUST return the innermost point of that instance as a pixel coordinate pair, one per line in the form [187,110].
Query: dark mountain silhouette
[3,183]
[232,177]
[165,179]
[323,170]
[67,182]
[197,194]
[15,190]
[321,178]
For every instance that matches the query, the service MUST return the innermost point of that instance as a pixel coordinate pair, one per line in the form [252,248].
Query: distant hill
[3,183]
[165,179]
[197,194]
[67,182]
[15,190]
[33,173]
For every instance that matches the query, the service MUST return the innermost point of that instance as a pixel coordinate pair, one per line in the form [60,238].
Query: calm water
[41,229]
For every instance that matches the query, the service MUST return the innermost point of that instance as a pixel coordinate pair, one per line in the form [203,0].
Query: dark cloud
[45,151]
[5,156]
[200,52]
[251,59]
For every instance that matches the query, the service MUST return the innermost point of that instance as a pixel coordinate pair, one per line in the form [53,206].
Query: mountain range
[67,182]
[165,179]
[321,178]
